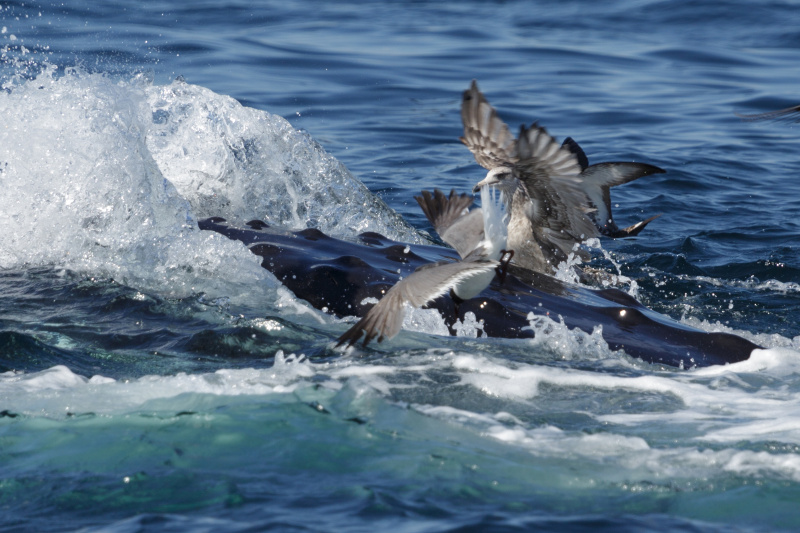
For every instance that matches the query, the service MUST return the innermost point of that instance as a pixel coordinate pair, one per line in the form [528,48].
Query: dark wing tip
[423,199]
[573,146]
[350,337]
[652,169]
[633,230]
[791,114]
[472,91]
[440,210]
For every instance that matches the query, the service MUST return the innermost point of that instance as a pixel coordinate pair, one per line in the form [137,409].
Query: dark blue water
[156,378]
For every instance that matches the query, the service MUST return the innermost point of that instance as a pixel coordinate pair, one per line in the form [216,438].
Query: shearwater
[556,200]
[479,236]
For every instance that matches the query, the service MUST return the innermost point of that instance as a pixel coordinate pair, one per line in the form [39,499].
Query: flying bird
[556,200]
[597,181]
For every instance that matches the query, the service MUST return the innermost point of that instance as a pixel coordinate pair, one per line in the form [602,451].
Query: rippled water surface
[156,378]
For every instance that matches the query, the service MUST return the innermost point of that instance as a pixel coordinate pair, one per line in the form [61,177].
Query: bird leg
[502,268]
[457,311]
[456,303]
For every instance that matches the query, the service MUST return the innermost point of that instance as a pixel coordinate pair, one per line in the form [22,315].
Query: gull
[479,237]
[556,200]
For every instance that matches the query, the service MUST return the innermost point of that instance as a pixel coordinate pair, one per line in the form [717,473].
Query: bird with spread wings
[556,200]
[479,237]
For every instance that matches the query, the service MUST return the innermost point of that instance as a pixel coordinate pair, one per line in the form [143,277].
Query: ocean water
[156,378]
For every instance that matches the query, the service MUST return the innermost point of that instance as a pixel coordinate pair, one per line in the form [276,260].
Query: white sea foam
[424,321]
[57,390]
[721,416]
[621,458]
[565,343]
[108,177]
[721,407]
[752,284]
[470,326]
[242,163]
[767,340]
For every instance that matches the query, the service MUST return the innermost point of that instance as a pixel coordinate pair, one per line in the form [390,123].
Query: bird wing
[466,233]
[486,136]
[790,114]
[633,229]
[573,146]
[427,283]
[551,176]
[449,217]
[599,178]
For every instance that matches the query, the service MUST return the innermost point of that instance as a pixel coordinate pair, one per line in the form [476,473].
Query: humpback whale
[337,276]
[556,199]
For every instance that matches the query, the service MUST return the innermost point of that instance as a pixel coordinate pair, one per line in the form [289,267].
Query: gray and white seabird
[556,199]
[479,237]
[597,182]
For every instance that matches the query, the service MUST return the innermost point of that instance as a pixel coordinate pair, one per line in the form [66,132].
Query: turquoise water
[156,378]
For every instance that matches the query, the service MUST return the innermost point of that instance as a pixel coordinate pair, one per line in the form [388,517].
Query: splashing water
[109,176]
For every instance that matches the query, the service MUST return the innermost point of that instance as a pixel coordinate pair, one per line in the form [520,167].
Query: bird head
[501,178]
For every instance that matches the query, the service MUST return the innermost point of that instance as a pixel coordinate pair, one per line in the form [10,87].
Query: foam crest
[108,177]
[775,361]
[242,163]
[557,339]
[731,403]
[57,391]
[768,340]
[424,321]
[470,326]
[727,409]
[522,382]
[82,191]
[621,458]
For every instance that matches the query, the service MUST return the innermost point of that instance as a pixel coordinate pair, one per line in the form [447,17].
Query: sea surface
[153,377]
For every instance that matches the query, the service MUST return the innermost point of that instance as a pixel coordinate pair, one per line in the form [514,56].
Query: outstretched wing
[551,175]
[486,136]
[599,178]
[427,283]
[633,229]
[573,146]
[448,215]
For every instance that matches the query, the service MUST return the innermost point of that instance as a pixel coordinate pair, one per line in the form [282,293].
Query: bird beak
[482,183]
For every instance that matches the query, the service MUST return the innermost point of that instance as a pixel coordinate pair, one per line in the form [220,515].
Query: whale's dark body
[337,275]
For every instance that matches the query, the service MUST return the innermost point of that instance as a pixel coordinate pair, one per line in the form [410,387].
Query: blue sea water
[156,378]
